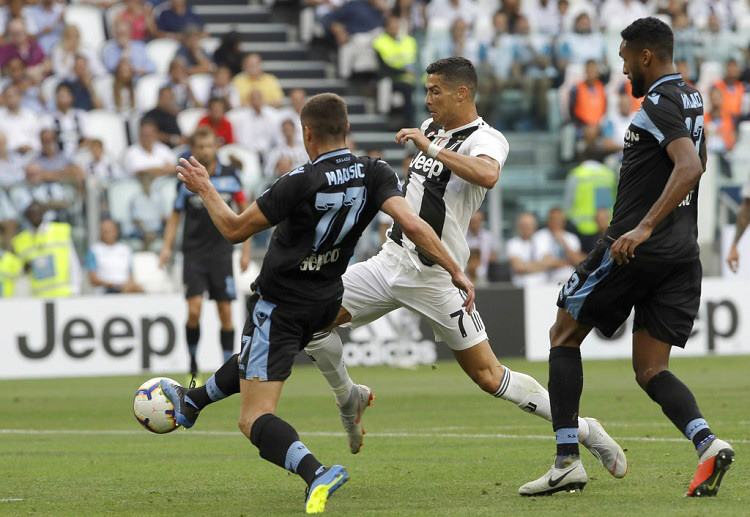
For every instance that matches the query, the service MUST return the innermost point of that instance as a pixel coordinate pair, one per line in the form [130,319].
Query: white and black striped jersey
[440,197]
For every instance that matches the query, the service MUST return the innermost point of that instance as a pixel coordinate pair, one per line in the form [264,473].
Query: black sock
[565,388]
[192,336]
[222,384]
[279,443]
[226,337]
[678,403]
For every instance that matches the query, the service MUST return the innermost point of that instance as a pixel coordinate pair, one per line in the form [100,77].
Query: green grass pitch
[436,446]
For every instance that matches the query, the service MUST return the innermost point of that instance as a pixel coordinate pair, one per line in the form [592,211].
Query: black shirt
[672,109]
[165,122]
[200,237]
[321,210]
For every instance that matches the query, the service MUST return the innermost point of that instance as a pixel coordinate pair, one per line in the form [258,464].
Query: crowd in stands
[160,79]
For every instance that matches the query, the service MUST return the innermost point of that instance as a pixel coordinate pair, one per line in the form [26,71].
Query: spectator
[560,248]
[191,52]
[615,15]
[412,14]
[164,115]
[448,11]
[543,16]
[68,50]
[11,268]
[253,78]
[397,54]
[602,219]
[146,212]
[178,83]
[11,165]
[47,251]
[11,172]
[222,88]
[721,132]
[19,44]
[588,103]
[123,89]
[15,9]
[718,43]
[85,96]
[731,90]
[481,239]
[68,123]
[47,17]
[528,265]
[702,10]
[139,20]
[229,54]
[496,62]
[122,47]
[297,98]
[173,20]
[101,166]
[52,165]
[687,41]
[20,125]
[589,187]
[258,128]
[460,43]
[216,119]
[149,157]
[290,148]
[355,17]
[683,68]
[110,262]
[17,76]
[616,125]
[582,45]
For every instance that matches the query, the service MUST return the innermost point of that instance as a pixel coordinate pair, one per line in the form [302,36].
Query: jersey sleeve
[386,183]
[746,189]
[489,143]
[663,119]
[283,197]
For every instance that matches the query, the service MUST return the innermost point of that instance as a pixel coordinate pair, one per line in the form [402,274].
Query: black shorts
[666,295]
[274,334]
[212,274]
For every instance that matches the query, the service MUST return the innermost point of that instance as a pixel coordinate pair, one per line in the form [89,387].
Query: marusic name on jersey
[340,176]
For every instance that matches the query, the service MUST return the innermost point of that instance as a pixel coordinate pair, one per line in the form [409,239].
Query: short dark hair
[326,115]
[456,71]
[202,132]
[652,34]
[64,86]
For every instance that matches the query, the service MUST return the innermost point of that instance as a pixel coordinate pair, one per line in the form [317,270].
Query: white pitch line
[105,432]
[10,499]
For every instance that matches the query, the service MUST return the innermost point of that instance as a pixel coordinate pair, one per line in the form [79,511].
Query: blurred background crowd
[99,99]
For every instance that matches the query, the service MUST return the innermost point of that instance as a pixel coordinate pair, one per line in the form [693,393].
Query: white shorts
[391,279]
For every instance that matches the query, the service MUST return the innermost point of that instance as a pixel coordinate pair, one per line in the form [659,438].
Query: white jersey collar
[449,133]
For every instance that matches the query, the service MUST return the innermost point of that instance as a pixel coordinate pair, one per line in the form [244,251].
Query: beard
[638,87]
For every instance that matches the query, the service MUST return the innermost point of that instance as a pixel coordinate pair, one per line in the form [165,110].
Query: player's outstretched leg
[278,442]
[326,351]
[189,402]
[481,364]
[715,456]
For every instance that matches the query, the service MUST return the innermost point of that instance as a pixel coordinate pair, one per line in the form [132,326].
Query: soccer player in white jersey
[460,158]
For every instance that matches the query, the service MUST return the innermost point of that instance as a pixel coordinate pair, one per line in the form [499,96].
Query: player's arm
[246,246]
[743,219]
[422,234]
[235,228]
[480,170]
[688,168]
[170,231]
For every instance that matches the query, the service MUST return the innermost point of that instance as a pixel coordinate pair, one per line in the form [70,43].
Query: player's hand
[412,134]
[244,261]
[192,174]
[164,256]
[461,281]
[734,258]
[624,248]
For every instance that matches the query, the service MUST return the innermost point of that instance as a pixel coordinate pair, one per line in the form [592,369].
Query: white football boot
[605,449]
[571,478]
[360,398]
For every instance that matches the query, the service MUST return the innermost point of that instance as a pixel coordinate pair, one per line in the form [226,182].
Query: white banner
[722,326]
[105,335]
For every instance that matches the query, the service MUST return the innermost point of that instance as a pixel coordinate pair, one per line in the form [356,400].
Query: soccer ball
[153,409]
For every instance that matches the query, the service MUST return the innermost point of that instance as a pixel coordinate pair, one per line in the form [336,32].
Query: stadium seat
[187,119]
[110,16]
[251,174]
[47,89]
[743,31]
[147,91]
[120,194]
[148,274]
[161,51]
[90,23]
[103,85]
[201,84]
[109,127]
[166,187]
[710,72]
[210,44]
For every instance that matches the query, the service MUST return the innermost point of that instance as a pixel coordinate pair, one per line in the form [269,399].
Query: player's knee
[245,423]
[643,374]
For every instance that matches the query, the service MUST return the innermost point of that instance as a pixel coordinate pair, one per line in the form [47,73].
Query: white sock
[525,392]
[327,352]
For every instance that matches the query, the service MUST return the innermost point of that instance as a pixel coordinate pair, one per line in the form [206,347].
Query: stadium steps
[375,140]
[213,13]
[314,86]
[298,69]
[355,104]
[252,32]
[223,3]
[287,51]
[366,122]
